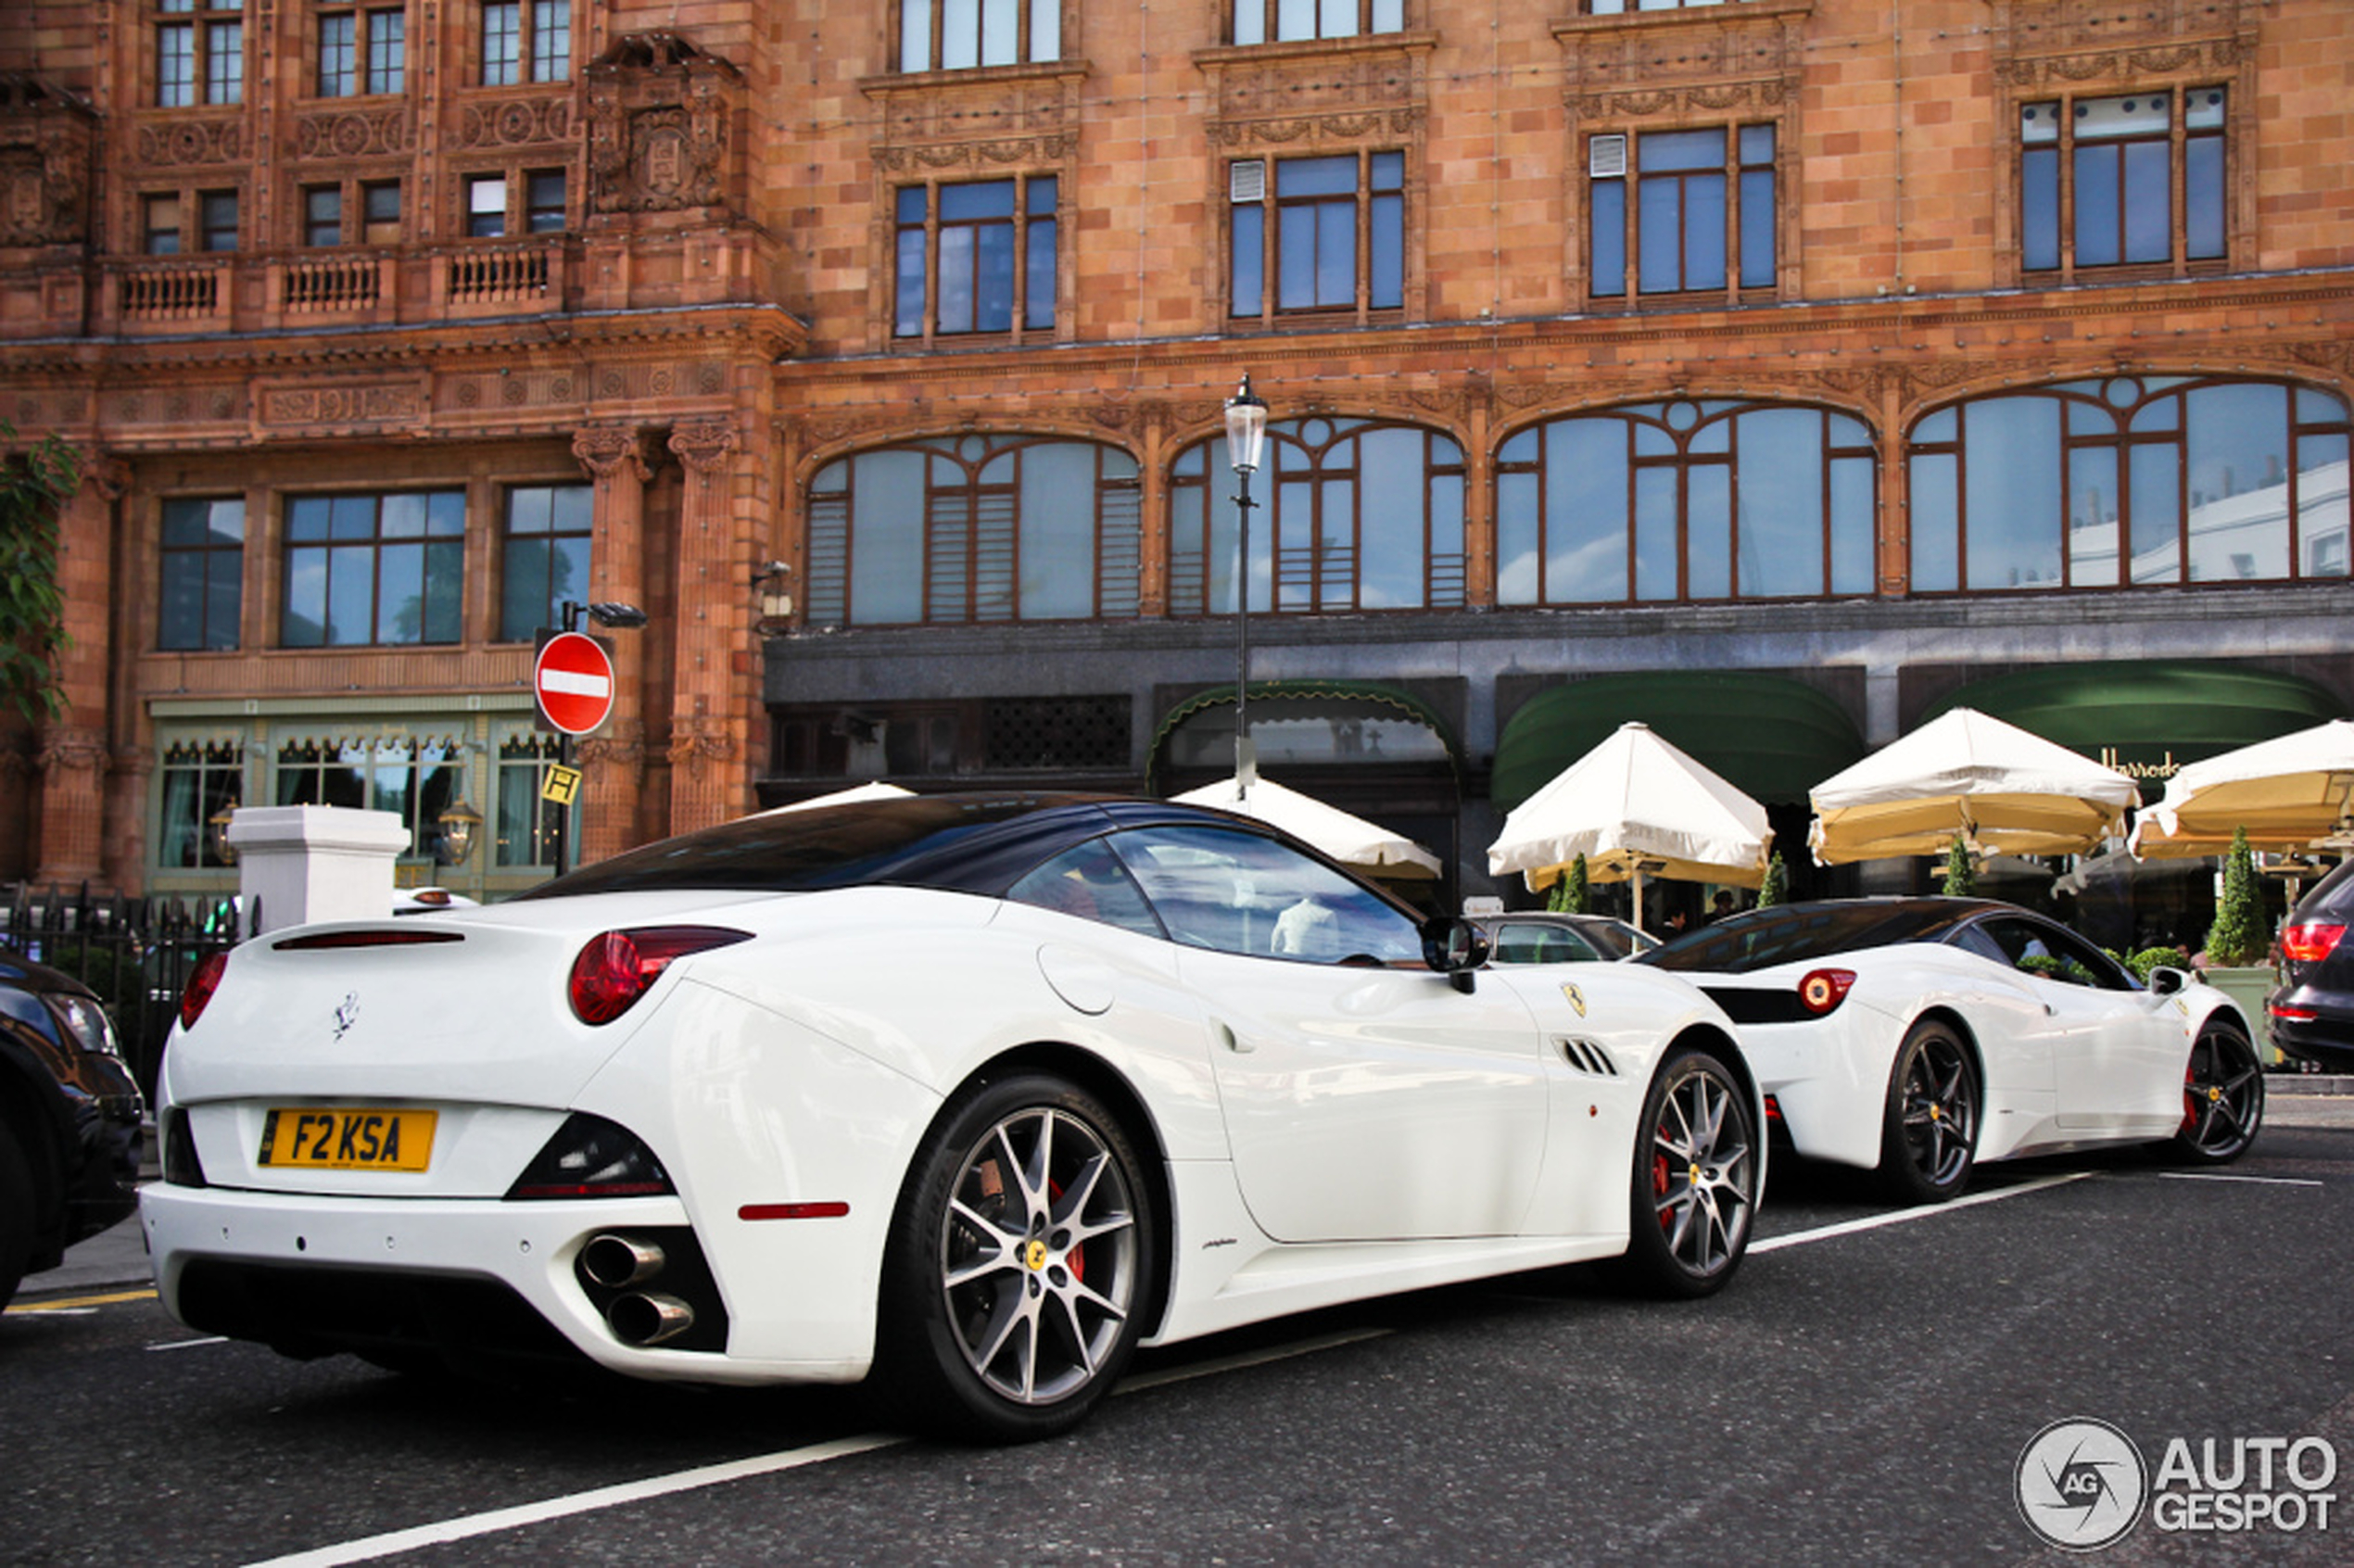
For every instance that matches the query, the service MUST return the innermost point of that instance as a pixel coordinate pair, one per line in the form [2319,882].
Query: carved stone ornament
[341,405]
[353,135]
[515,122]
[196,140]
[662,127]
[1343,91]
[46,134]
[74,751]
[2041,45]
[704,448]
[1699,60]
[696,741]
[607,451]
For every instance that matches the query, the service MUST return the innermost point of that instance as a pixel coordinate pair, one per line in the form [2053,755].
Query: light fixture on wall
[1246,441]
[772,598]
[222,849]
[458,825]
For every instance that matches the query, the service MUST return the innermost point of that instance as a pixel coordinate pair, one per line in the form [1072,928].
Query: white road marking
[499,1518]
[1901,1216]
[2219,1176]
[188,1344]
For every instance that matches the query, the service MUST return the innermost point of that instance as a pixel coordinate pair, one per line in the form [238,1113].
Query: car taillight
[202,983]
[590,1158]
[1823,990]
[2310,942]
[617,967]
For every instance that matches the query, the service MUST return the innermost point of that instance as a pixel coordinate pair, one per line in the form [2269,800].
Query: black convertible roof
[1786,933]
[978,842]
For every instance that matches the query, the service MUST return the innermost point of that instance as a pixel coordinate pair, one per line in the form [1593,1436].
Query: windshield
[1792,933]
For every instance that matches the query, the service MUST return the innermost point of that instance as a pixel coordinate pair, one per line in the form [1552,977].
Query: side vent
[1606,158]
[1588,1058]
[1246,180]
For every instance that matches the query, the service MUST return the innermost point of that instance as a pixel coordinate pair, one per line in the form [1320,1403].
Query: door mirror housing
[1454,947]
[2165,980]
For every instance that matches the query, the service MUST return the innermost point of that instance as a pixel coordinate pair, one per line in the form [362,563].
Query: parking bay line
[1902,1216]
[2224,1176]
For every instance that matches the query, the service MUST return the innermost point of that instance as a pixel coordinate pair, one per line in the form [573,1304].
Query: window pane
[175,65]
[2239,482]
[909,313]
[1655,534]
[959,34]
[1585,520]
[2099,189]
[1781,503]
[225,63]
[1336,19]
[915,35]
[2039,204]
[1662,151]
[1316,176]
[1046,29]
[1609,238]
[2093,556]
[219,210]
[338,57]
[351,590]
[1757,230]
[956,280]
[1295,254]
[1705,230]
[1000,37]
[2149,207]
[1057,531]
[993,309]
[1385,282]
[501,44]
[1039,285]
[1248,261]
[1854,546]
[1936,521]
[387,51]
[2203,198]
[1294,19]
[1335,253]
[887,540]
[2320,507]
[1659,240]
[2154,472]
[2014,494]
[1392,480]
[551,40]
[1708,528]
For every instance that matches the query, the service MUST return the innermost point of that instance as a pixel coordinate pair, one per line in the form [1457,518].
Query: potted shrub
[1961,877]
[1568,896]
[2239,944]
[1775,888]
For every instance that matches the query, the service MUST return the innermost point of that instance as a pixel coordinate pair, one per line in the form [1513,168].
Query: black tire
[1695,1180]
[16,1215]
[2223,1097]
[1020,1264]
[1928,1128]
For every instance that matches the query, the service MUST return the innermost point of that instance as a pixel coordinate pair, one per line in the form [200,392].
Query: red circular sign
[573,681]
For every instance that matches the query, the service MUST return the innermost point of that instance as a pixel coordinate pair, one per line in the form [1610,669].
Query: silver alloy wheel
[1703,1174]
[2222,1094]
[1039,1256]
[1940,1110]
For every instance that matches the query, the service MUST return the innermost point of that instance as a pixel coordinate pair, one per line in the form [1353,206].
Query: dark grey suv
[2312,1010]
[69,1120]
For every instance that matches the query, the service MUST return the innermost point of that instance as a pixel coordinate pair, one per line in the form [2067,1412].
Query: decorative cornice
[608,451]
[703,446]
[353,133]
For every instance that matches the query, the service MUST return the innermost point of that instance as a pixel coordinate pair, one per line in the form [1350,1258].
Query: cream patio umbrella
[2292,793]
[1634,807]
[1998,788]
[1356,843]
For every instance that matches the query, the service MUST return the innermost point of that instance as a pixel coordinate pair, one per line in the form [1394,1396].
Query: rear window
[2333,894]
[920,841]
[1792,934]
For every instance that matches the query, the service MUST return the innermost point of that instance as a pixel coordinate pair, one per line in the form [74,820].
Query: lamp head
[1245,428]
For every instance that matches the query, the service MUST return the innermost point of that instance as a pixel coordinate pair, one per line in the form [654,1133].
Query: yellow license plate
[341,1138]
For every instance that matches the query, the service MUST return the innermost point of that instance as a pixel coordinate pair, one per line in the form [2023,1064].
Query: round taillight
[1824,990]
[202,982]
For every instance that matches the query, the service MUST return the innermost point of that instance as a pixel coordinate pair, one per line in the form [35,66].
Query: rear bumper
[2326,1038]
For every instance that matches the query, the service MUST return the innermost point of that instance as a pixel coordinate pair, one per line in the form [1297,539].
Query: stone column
[613,759]
[710,703]
[73,749]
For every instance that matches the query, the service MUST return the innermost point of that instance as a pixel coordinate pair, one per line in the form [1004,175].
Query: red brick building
[1797,366]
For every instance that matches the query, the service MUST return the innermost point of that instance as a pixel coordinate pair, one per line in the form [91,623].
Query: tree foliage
[1775,888]
[34,485]
[1568,895]
[1961,877]
[2239,939]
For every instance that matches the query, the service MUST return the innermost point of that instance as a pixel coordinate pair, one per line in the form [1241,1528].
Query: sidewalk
[117,1260]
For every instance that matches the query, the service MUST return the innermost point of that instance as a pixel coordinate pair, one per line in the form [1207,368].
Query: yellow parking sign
[559,785]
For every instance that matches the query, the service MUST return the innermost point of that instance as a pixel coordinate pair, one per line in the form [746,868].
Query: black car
[2312,1010]
[69,1120]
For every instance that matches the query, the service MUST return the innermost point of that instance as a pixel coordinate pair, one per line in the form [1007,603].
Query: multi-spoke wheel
[1695,1180]
[2222,1095]
[1019,1260]
[1929,1136]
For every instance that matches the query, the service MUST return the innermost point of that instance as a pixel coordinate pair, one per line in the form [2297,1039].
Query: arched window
[1353,514]
[1684,501]
[2129,481]
[961,528]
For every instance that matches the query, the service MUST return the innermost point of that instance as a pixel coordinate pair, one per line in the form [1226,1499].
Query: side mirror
[1454,947]
[2165,980]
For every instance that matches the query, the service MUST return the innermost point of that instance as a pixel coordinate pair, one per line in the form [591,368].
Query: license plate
[338,1138]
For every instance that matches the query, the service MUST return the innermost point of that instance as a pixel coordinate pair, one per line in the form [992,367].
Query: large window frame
[545,546]
[1677,212]
[2130,481]
[975,528]
[970,35]
[1318,236]
[2125,182]
[525,41]
[976,259]
[1706,501]
[1353,519]
[199,52]
[1287,21]
[360,51]
[370,568]
[201,566]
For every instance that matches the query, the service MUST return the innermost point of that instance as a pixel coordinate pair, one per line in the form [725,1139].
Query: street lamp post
[1245,439]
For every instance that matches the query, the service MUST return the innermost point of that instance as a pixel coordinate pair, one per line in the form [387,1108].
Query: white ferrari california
[968,1095]
[1917,1037]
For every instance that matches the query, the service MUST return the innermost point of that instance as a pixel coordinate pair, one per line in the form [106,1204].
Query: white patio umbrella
[2000,788]
[1634,807]
[1361,846]
[2293,793]
[873,789]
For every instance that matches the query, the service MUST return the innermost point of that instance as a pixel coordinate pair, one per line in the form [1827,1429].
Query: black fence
[136,952]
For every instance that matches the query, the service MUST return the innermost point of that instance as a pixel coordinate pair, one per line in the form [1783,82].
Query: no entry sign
[572,681]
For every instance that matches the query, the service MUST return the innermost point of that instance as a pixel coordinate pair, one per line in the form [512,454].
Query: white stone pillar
[311,862]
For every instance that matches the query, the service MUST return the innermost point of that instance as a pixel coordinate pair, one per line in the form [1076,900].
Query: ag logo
[2081,1484]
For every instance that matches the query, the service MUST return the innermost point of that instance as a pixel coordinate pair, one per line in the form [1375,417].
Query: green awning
[2138,714]
[1770,737]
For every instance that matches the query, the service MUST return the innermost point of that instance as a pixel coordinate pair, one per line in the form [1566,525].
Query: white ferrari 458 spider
[1920,1036]
[971,1093]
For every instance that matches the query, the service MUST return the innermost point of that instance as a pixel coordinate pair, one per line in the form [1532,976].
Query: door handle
[1233,1042]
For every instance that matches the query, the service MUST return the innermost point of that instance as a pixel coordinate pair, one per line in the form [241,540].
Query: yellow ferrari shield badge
[1577,998]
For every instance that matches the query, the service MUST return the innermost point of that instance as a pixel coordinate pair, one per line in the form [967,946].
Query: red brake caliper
[1659,1181]
[1078,1259]
[2190,1095]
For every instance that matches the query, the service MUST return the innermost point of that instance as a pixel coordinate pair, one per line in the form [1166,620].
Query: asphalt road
[1859,1395]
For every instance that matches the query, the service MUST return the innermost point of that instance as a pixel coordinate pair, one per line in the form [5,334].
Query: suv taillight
[617,967]
[2310,942]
